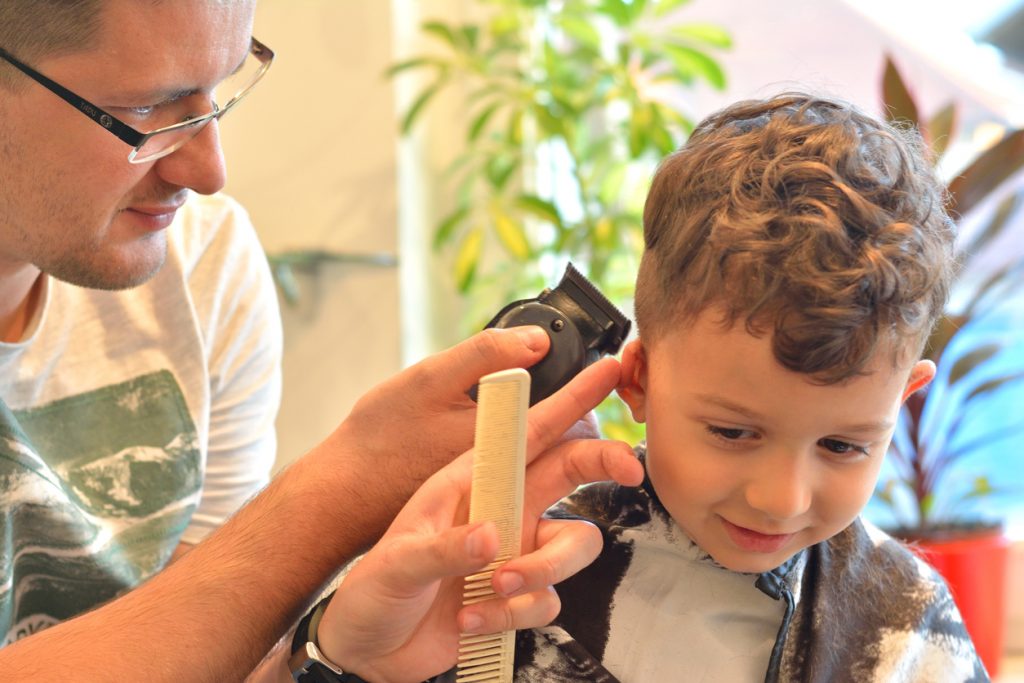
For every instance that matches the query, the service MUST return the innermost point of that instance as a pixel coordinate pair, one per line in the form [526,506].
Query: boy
[797,254]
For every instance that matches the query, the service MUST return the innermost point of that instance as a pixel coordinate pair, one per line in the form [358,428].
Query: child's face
[754,461]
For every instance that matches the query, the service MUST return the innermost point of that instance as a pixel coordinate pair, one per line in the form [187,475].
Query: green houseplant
[936,504]
[568,112]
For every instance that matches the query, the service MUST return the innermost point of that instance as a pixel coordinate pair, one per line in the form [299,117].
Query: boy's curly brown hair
[808,220]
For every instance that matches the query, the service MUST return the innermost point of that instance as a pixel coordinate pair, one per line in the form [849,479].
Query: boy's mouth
[755,541]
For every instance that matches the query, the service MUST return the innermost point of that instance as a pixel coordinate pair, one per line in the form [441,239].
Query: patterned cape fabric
[858,607]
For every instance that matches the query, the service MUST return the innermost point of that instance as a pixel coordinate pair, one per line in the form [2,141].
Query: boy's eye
[729,433]
[841,447]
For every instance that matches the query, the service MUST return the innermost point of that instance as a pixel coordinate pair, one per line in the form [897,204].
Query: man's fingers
[564,547]
[462,366]
[561,470]
[523,611]
[413,561]
[553,416]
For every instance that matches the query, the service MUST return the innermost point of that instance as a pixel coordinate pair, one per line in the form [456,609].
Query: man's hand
[398,614]
[403,430]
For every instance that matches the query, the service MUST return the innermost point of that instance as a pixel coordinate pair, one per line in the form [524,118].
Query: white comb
[499,471]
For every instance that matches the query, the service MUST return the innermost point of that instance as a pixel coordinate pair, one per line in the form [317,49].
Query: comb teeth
[499,466]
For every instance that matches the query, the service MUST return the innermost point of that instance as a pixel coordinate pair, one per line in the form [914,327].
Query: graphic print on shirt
[95,491]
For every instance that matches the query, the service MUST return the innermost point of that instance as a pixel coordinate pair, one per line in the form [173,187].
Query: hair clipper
[581,323]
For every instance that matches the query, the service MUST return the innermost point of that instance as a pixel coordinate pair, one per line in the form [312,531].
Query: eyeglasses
[162,140]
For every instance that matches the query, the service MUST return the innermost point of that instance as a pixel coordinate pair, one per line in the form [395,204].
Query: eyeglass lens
[225,95]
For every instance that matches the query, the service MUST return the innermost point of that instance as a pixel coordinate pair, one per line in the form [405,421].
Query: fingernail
[509,583]
[533,336]
[472,622]
[475,543]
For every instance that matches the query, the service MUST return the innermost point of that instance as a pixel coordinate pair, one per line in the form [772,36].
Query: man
[139,378]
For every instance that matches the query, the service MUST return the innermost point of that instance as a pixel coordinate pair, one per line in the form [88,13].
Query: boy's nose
[780,488]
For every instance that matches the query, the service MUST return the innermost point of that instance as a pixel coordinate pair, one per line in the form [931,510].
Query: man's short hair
[33,29]
[807,220]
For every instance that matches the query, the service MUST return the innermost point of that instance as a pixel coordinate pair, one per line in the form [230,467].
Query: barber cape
[857,607]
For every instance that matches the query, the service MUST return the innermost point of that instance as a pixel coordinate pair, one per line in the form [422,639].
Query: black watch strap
[310,667]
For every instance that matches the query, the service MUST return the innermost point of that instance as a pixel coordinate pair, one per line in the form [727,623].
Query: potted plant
[936,507]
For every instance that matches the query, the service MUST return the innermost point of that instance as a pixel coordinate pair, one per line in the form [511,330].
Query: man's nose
[198,164]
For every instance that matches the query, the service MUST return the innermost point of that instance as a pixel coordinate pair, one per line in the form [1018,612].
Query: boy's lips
[755,541]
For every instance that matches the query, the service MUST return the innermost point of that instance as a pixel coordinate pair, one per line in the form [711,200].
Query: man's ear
[633,383]
[921,376]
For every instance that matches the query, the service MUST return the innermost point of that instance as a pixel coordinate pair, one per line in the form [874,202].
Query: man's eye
[136,113]
[841,447]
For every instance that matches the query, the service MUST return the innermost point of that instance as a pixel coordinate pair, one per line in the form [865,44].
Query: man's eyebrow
[171,94]
[859,428]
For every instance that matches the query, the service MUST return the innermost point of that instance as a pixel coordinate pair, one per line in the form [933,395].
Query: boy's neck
[19,297]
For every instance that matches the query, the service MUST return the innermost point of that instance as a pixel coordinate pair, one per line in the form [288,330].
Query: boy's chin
[753,563]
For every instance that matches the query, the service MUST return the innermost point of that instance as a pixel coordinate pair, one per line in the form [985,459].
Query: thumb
[489,351]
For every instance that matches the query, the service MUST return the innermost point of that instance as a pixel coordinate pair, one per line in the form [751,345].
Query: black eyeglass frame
[123,131]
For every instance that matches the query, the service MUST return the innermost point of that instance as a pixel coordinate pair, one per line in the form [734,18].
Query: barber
[139,334]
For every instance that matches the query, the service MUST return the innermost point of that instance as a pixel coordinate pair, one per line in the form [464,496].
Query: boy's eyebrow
[722,402]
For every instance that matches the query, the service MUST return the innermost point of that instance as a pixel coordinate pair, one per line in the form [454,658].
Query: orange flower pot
[975,567]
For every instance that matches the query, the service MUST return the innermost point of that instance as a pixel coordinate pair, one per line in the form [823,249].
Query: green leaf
[419,103]
[446,228]
[927,504]
[661,138]
[638,124]
[899,104]
[481,120]
[467,259]
[886,493]
[616,10]
[969,361]
[499,169]
[612,183]
[690,62]
[469,36]
[514,133]
[708,34]
[414,63]
[511,233]
[442,31]
[582,31]
[541,208]
[663,7]
[987,172]
[603,236]
[982,487]
[940,130]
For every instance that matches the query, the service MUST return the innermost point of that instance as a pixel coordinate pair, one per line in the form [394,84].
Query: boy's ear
[921,376]
[633,382]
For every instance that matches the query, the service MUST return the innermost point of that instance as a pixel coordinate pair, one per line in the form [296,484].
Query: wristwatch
[307,663]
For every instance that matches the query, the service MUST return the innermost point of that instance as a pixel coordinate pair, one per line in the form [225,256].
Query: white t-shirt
[141,418]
